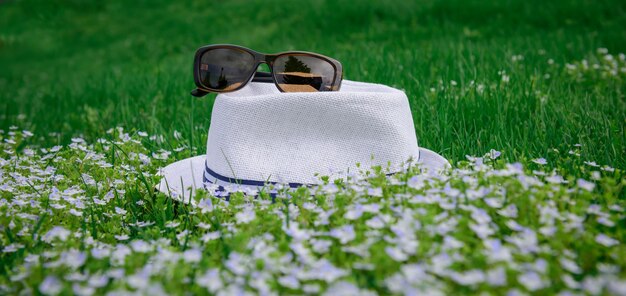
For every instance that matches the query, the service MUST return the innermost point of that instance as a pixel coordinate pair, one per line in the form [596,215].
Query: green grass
[516,76]
[80,68]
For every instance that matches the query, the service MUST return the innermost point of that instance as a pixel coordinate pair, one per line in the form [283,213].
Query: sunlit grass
[534,90]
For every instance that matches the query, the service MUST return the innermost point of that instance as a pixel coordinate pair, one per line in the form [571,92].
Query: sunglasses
[226,68]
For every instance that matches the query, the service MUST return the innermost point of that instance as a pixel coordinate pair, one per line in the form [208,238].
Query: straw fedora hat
[259,136]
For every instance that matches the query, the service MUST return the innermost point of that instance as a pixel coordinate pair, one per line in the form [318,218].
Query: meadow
[525,98]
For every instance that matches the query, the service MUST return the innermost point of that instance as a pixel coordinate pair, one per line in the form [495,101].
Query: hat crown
[261,134]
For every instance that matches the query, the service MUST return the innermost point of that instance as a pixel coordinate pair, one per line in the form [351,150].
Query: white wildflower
[617,287]
[556,179]
[12,248]
[73,258]
[98,281]
[172,224]
[606,240]
[468,278]
[605,221]
[120,211]
[122,237]
[56,232]
[311,288]
[417,182]
[82,290]
[377,192]
[493,202]
[608,168]
[100,253]
[289,281]
[211,280]
[548,230]
[245,216]
[396,254]
[371,208]
[320,246]
[525,241]
[192,256]
[140,246]
[51,285]
[584,184]
[119,254]
[593,285]
[570,282]
[139,280]
[209,236]
[204,226]
[496,251]
[354,212]
[570,265]
[493,154]
[344,234]
[76,213]
[481,230]
[343,288]
[375,223]
[509,211]
[497,277]
[595,175]
[237,263]
[531,281]
[514,225]
[205,205]
[450,242]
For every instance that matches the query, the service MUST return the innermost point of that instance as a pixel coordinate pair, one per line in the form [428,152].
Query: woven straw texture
[259,133]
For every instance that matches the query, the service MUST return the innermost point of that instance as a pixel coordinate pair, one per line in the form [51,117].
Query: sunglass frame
[259,58]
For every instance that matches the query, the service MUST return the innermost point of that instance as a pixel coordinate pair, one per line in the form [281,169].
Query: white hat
[259,135]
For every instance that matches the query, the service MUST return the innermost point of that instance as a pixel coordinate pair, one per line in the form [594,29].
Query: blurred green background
[78,68]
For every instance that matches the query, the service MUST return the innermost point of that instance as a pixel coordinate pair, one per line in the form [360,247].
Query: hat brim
[181,179]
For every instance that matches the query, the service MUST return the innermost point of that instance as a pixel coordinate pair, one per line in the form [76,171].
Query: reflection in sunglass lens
[302,73]
[225,68]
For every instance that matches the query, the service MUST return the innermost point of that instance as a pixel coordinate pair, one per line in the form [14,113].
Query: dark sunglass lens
[225,68]
[303,73]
